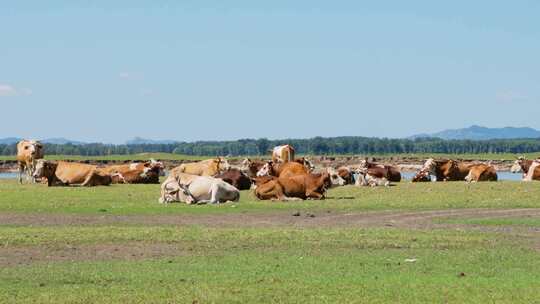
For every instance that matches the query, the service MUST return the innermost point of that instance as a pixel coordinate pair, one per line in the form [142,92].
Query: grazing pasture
[429,242]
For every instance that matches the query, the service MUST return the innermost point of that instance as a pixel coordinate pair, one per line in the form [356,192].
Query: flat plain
[409,243]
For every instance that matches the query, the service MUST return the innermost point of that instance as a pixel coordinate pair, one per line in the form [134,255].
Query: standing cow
[28,152]
[283,154]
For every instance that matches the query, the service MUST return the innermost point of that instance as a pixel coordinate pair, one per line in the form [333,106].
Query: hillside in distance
[483,133]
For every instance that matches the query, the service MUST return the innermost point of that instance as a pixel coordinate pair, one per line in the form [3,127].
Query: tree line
[314,146]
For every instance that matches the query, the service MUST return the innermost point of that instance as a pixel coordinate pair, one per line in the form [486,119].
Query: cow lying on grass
[421,177]
[532,174]
[209,167]
[70,174]
[135,173]
[302,186]
[524,165]
[380,171]
[481,173]
[447,170]
[236,178]
[194,189]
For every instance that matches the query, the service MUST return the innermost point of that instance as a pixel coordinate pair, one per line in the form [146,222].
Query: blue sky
[197,70]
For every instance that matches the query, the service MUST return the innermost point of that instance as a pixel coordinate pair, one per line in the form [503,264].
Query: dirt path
[423,220]
[412,219]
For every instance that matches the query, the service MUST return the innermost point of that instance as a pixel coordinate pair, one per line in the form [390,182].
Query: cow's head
[517,167]
[222,164]
[245,164]
[44,168]
[267,169]
[32,147]
[185,195]
[308,164]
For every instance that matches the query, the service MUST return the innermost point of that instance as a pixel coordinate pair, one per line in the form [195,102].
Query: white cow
[194,189]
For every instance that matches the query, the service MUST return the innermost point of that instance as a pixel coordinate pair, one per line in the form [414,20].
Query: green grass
[283,266]
[531,222]
[142,199]
[271,265]
[170,156]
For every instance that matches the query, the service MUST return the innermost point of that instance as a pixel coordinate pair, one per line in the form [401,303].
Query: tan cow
[209,167]
[28,152]
[481,173]
[283,154]
[69,173]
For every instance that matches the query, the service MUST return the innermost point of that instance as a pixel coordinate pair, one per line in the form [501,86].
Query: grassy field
[170,156]
[411,243]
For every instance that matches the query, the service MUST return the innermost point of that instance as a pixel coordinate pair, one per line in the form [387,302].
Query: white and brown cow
[28,152]
[532,173]
[283,154]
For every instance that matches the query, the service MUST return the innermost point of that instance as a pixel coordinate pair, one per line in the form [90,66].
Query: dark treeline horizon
[314,146]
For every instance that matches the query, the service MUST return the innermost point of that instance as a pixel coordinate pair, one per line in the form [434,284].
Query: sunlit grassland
[142,199]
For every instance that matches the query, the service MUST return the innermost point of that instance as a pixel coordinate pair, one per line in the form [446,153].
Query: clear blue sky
[190,70]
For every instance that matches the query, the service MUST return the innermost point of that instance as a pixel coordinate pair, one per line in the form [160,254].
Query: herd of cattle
[284,177]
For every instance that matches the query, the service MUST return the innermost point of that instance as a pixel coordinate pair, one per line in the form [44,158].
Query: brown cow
[523,165]
[28,152]
[135,173]
[236,178]
[346,174]
[481,173]
[391,173]
[447,170]
[68,173]
[303,186]
[283,154]
[282,169]
[209,167]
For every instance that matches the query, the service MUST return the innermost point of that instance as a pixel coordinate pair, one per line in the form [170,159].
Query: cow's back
[73,173]
[291,169]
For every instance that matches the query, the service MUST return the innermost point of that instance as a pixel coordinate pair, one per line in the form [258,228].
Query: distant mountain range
[483,133]
[472,133]
[63,141]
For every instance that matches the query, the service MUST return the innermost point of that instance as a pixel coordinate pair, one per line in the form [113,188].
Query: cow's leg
[31,171]
[21,170]
[89,181]
[213,197]
[314,194]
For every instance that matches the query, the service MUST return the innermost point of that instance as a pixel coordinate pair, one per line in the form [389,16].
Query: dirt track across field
[400,219]
[422,220]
